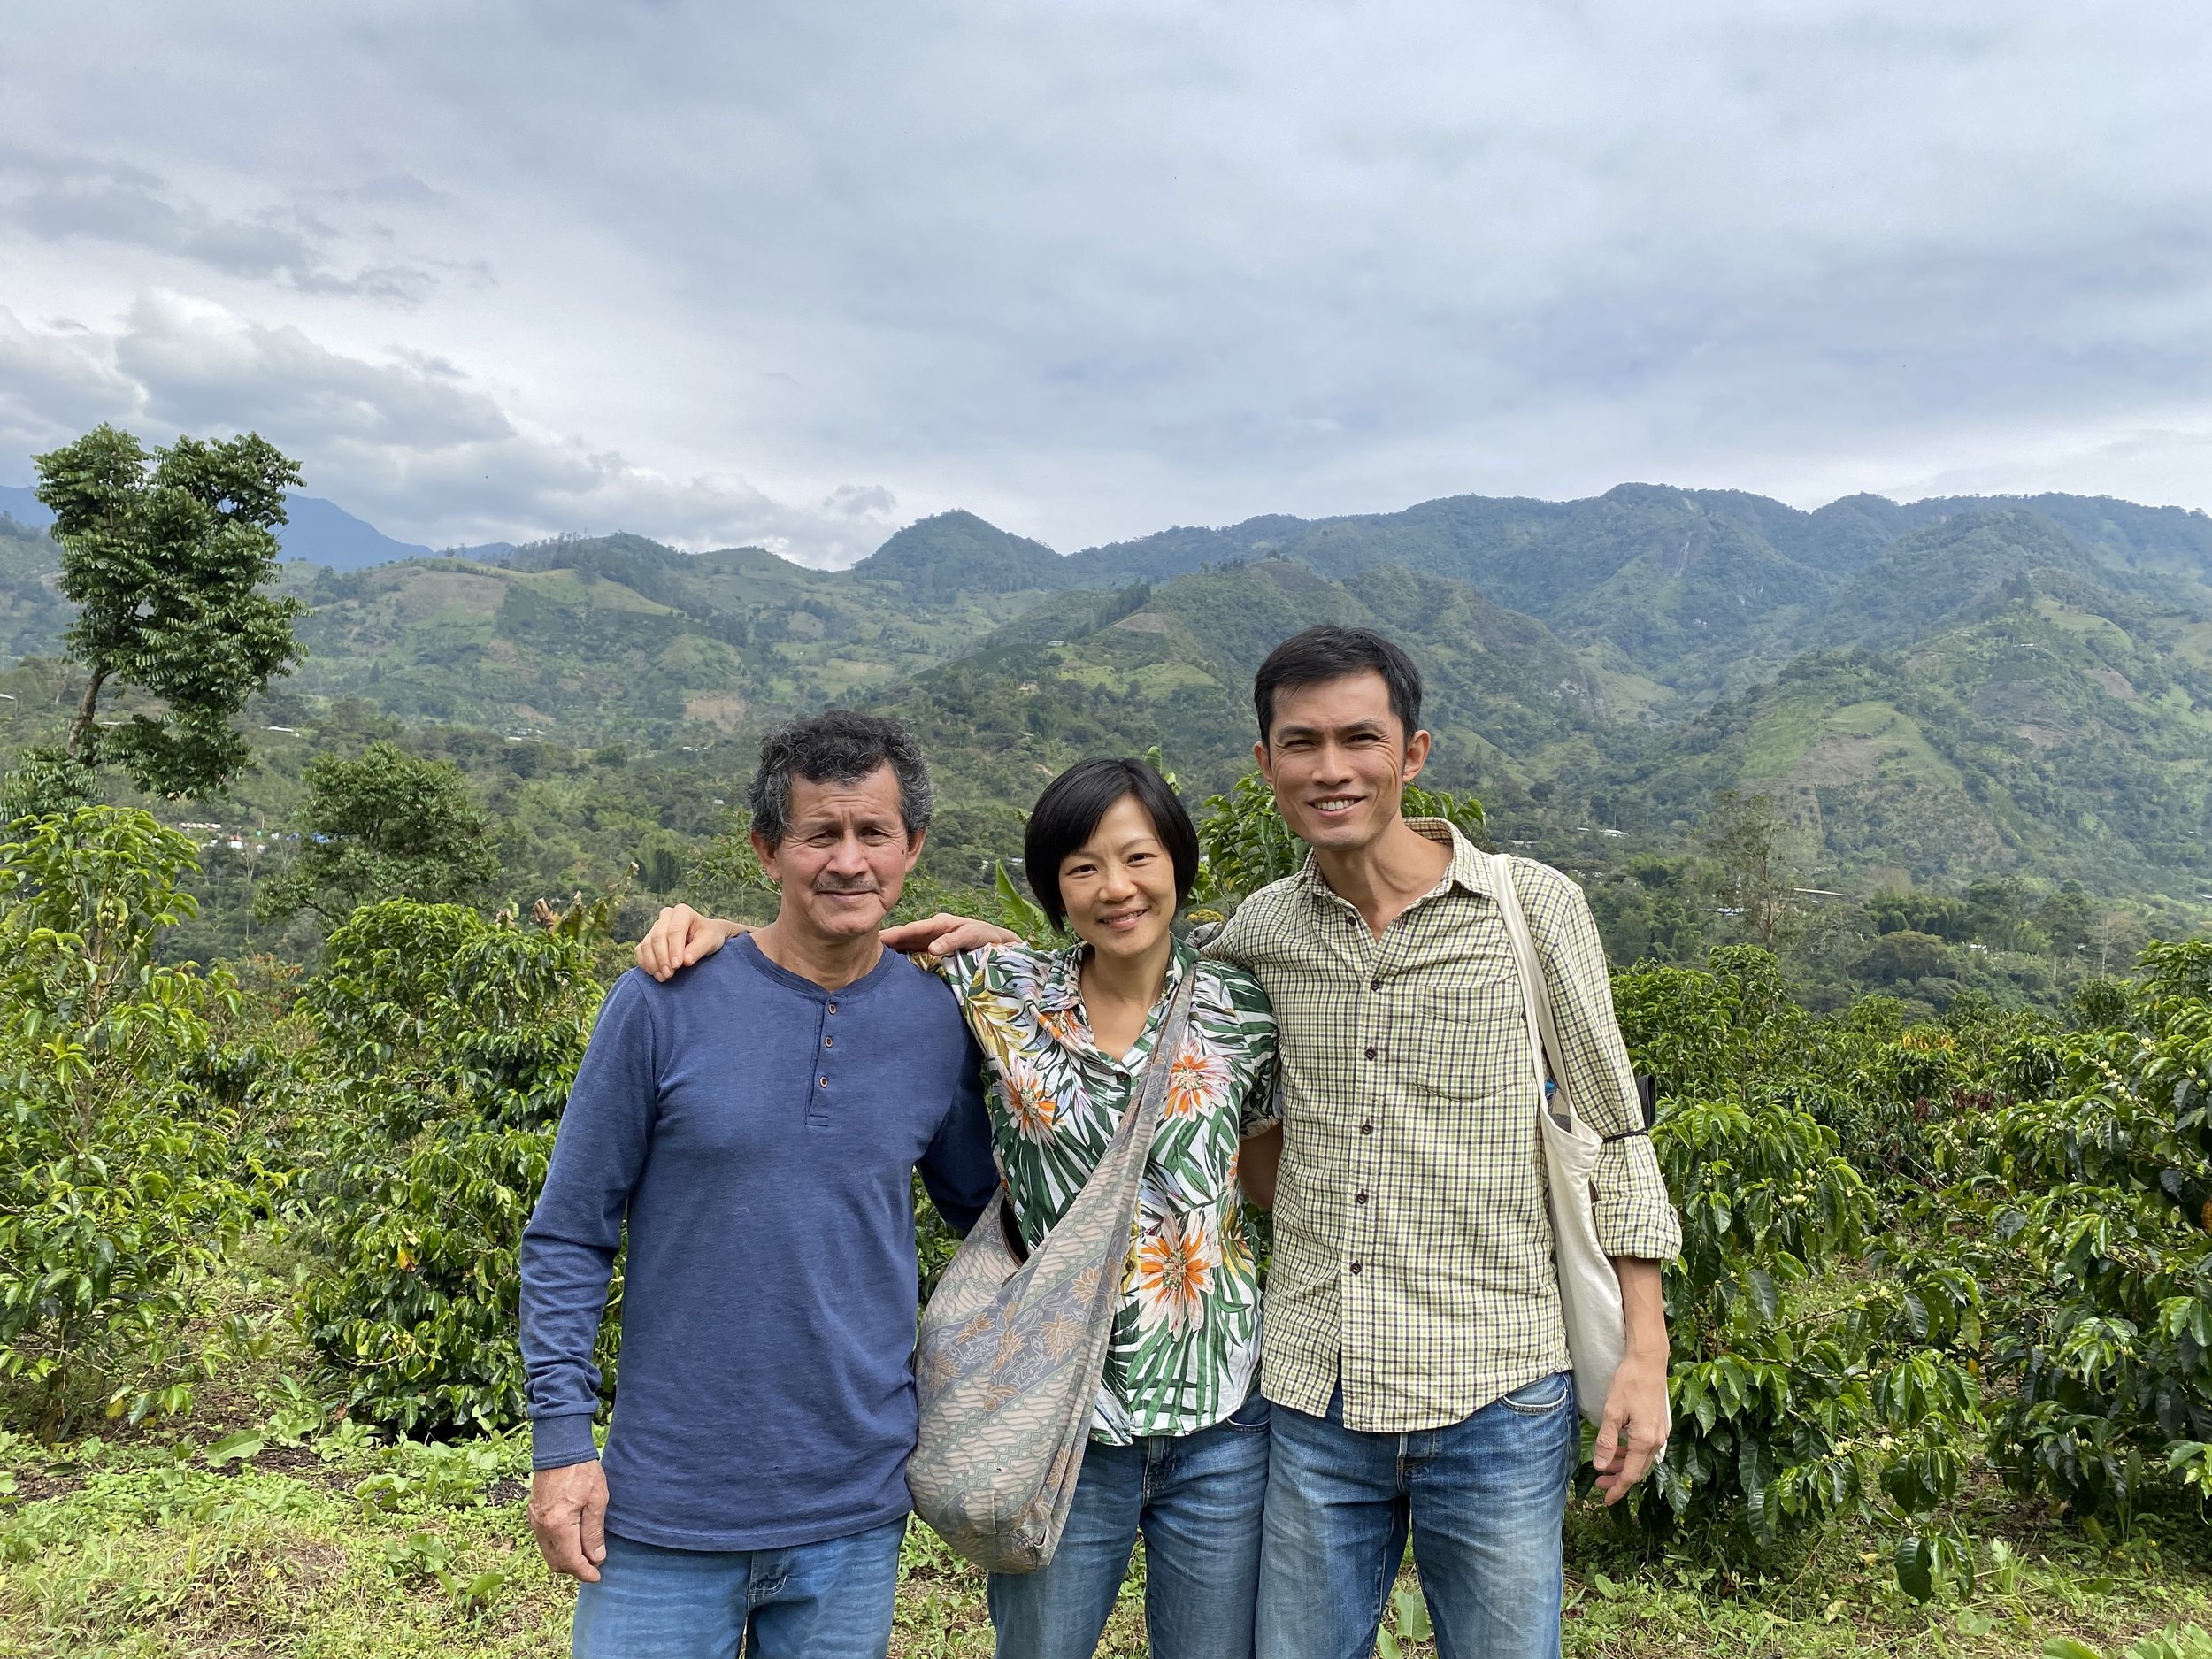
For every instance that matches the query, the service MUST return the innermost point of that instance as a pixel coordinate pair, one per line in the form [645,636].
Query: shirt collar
[1469,868]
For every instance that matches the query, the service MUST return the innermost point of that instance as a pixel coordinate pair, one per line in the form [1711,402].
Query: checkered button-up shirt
[1413,1248]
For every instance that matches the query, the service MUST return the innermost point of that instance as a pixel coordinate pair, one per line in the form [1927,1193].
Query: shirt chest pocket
[1470,1044]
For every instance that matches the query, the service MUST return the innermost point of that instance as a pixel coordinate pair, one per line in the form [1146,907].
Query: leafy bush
[2105,1189]
[1802,1389]
[115,1183]
[450,1042]
[383,825]
[1799,1395]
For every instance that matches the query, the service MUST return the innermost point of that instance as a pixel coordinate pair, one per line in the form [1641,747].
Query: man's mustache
[865,884]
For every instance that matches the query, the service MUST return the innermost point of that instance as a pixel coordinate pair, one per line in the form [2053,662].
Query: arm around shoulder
[959,1171]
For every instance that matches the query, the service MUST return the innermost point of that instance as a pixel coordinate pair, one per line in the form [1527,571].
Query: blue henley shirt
[760,1134]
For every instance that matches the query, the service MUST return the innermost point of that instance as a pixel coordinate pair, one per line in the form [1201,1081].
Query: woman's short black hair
[1067,814]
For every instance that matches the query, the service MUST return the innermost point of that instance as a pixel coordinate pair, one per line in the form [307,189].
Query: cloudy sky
[797,273]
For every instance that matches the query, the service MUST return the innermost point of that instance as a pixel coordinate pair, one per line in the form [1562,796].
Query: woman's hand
[939,936]
[680,936]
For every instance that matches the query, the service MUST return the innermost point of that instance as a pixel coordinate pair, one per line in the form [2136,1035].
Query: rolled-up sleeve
[1635,1216]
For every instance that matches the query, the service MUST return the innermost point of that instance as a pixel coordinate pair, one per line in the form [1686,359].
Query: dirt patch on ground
[720,710]
[301,1463]
[1144,622]
[293,1462]
[2114,682]
[39,1485]
[1841,758]
[2012,700]
[2043,736]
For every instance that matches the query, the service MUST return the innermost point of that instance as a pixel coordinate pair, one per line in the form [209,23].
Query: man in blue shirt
[757,1124]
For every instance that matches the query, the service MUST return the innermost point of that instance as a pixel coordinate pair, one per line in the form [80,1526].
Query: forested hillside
[1929,693]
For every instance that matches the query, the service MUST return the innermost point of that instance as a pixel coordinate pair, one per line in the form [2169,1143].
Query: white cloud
[406,440]
[84,198]
[55,382]
[1091,268]
[202,365]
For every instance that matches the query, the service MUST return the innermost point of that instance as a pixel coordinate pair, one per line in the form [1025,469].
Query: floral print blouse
[1185,1340]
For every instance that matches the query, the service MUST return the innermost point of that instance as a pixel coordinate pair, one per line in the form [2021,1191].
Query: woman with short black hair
[1179,1432]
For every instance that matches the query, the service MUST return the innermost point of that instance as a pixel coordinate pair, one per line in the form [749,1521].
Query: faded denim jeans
[826,1601]
[1485,1499]
[1198,1500]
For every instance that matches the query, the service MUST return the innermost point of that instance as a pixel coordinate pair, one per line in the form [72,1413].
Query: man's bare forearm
[1643,1307]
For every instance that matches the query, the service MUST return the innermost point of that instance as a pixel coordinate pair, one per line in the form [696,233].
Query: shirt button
[833,1008]
[1359,1198]
[1367,1129]
[829,1042]
[1355,1267]
[1374,985]
[823,1081]
[1370,1051]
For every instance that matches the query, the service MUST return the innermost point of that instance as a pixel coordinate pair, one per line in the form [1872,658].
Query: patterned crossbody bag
[1011,1349]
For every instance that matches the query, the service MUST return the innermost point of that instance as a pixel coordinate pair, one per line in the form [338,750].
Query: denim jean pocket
[1542,1397]
[1251,1417]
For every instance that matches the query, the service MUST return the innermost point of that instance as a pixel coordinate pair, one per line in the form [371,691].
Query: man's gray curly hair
[837,746]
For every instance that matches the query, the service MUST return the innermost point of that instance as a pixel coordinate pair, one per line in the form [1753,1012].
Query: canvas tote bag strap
[1589,1287]
[1121,1168]
[1535,992]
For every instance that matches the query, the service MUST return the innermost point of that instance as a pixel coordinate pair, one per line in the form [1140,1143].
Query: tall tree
[1749,836]
[385,825]
[165,555]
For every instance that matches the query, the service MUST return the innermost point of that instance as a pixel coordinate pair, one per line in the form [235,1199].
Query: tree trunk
[81,728]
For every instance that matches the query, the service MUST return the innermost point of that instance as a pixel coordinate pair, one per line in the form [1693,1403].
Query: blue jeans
[1485,1498]
[1198,1500]
[826,1601]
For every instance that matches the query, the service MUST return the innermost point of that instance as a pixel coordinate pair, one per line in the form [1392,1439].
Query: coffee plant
[116,1179]
[450,1043]
[2103,1185]
[1820,1364]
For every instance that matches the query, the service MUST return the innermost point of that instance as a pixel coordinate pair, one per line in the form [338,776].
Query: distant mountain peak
[956,552]
[318,531]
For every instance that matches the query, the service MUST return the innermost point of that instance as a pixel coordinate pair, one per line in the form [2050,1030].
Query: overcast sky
[799,273]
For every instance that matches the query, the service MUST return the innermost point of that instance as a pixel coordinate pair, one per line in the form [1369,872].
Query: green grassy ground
[255,1527]
[265,1544]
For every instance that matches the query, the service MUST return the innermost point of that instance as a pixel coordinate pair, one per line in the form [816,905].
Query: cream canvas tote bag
[1589,1289]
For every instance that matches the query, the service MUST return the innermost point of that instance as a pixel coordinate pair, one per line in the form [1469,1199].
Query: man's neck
[1383,877]
[832,961]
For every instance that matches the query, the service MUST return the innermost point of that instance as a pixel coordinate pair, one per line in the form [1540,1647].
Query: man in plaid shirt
[1415,1350]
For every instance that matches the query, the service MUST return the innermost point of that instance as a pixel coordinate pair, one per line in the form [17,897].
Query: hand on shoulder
[944,934]
[680,936]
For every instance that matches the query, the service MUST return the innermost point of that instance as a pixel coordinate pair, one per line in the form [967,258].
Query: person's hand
[1633,1431]
[941,935]
[680,936]
[568,1514]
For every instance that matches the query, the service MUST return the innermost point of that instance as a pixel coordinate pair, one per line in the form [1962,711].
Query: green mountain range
[1934,691]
